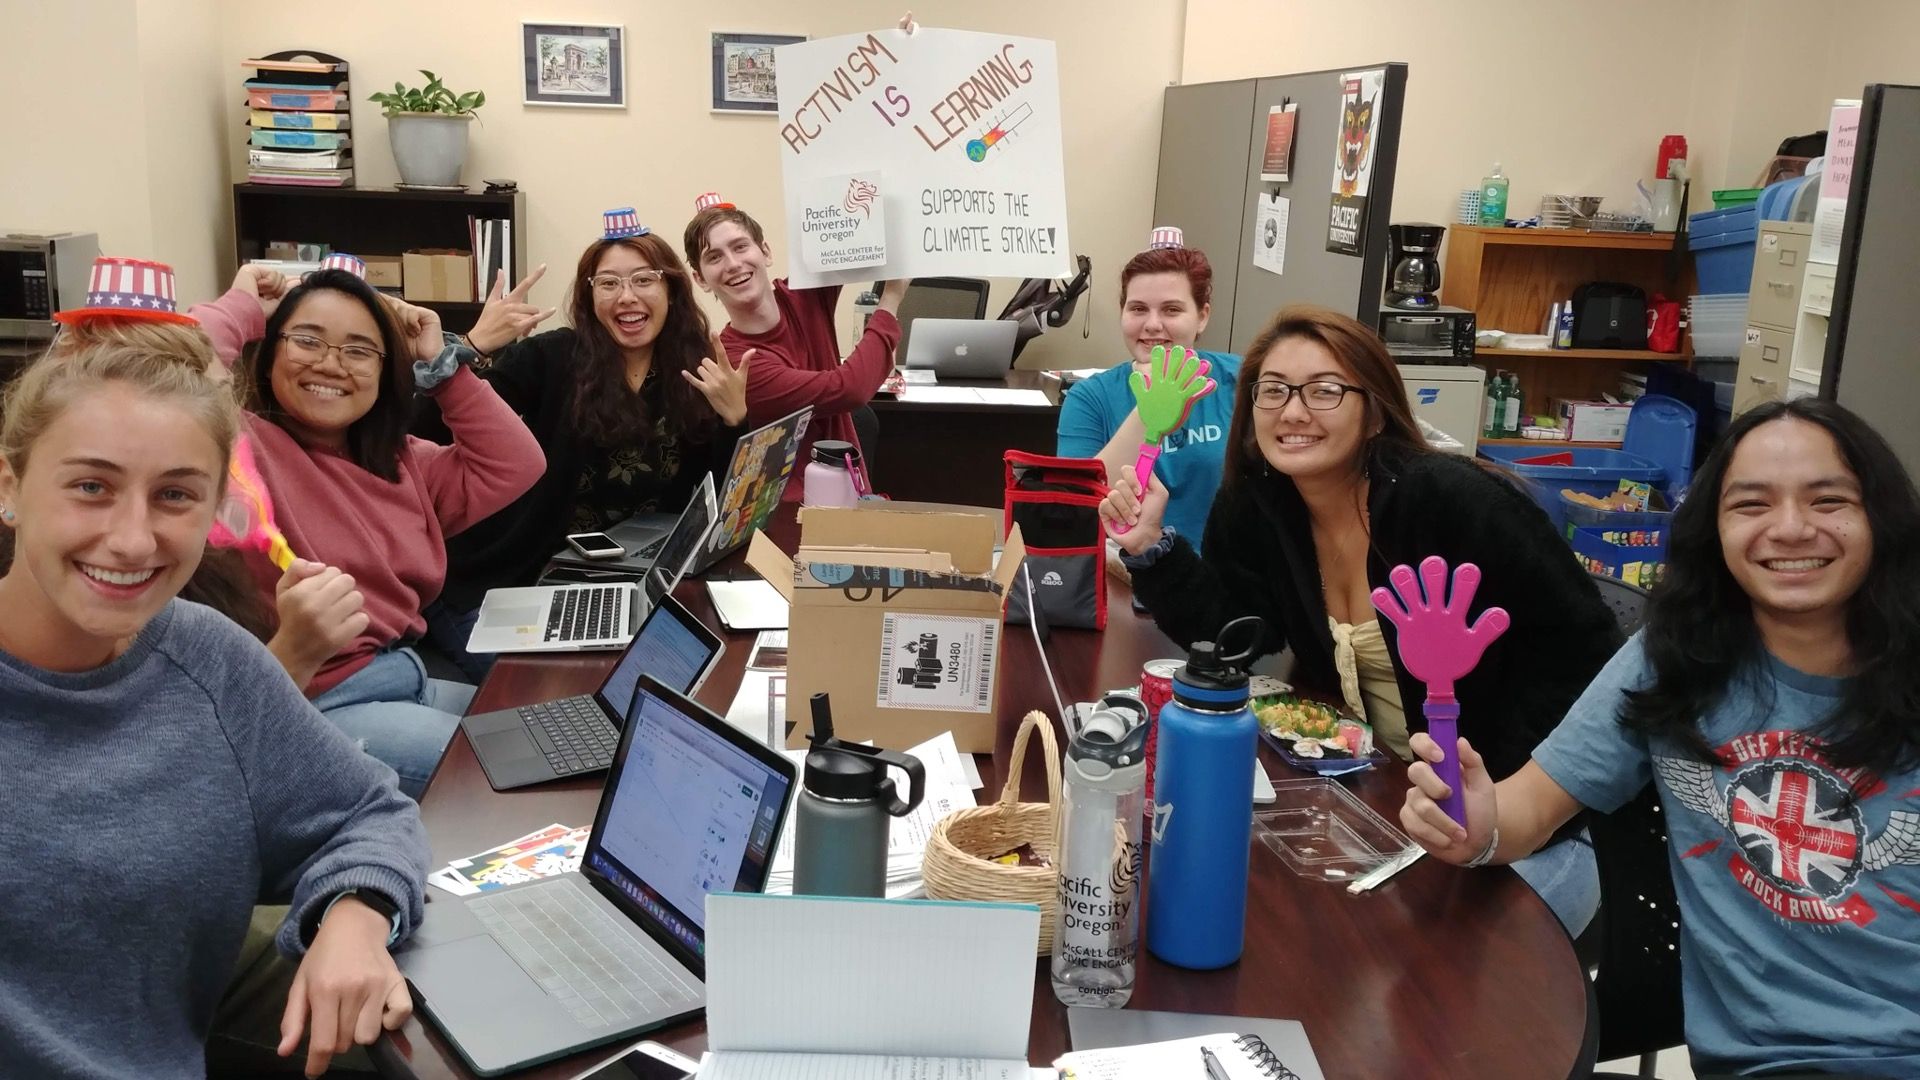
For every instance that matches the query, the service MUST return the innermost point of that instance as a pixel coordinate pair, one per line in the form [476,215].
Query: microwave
[1436,333]
[42,274]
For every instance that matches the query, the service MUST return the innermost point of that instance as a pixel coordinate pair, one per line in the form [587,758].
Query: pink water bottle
[832,477]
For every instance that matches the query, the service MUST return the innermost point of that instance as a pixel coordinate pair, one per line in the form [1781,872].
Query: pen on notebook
[1215,1071]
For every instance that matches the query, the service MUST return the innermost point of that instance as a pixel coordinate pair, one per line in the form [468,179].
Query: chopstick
[1379,874]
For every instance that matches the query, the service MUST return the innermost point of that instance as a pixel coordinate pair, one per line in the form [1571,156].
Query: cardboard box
[898,613]
[1594,421]
[437,274]
[384,271]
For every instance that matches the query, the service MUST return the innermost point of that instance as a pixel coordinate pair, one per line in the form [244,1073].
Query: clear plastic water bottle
[1096,936]
[1203,806]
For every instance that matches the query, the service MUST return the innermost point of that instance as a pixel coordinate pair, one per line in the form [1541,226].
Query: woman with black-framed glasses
[1328,485]
[365,507]
[633,403]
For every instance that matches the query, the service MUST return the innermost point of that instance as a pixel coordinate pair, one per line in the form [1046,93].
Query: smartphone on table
[595,545]
[643,1061]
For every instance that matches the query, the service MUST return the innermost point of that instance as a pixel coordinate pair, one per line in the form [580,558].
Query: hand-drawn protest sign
[958,135]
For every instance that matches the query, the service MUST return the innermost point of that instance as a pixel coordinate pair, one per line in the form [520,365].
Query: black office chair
[1637,984]
[940,298]
[1634,944]
[1628,602]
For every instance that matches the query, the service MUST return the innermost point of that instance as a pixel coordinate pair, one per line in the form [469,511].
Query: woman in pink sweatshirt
[357,497]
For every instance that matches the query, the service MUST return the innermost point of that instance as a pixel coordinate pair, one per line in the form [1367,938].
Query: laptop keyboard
[587,614]
[581,957]
[573,733]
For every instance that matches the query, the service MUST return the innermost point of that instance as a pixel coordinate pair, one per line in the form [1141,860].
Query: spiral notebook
[1131,1031]
[1224,1056]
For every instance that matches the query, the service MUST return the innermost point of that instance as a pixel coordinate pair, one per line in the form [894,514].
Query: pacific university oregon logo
[1802,839]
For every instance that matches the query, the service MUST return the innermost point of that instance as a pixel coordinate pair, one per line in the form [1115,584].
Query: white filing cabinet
[1449,397]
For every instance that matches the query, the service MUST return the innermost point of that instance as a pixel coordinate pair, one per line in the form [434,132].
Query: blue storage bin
[1643,564]
[1722,243]
[1581,516]
[1594,471]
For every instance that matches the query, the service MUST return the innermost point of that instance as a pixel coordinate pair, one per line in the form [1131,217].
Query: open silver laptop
[551,618]
[573,735]
[963,348]
[533,972]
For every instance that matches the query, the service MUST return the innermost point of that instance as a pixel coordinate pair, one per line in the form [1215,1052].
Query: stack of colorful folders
[297,107]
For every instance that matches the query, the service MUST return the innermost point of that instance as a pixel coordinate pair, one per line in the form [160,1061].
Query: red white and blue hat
[340,260]
[622,223]
[1166,236]
[710,200]
[128,289]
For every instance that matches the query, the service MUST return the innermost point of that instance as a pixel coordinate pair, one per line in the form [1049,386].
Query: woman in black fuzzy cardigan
[1329,485]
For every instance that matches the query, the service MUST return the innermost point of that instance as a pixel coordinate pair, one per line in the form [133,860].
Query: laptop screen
[687,812]
[687,536]
[671,646]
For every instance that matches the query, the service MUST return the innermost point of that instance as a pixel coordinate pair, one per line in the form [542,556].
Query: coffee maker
[1413,281]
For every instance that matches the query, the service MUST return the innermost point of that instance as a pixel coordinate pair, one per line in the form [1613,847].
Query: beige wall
[137,156]
[1512,81]
[666,147]
[65,160]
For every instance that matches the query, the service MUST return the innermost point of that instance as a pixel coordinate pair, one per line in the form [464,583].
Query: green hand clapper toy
[1165,394]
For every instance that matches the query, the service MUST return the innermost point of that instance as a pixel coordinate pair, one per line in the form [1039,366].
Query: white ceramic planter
[428,148]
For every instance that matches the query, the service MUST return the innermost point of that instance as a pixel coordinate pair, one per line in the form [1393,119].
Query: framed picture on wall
[578,64]
[743,71]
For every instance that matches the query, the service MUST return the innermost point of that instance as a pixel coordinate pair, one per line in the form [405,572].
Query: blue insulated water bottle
[1203,806]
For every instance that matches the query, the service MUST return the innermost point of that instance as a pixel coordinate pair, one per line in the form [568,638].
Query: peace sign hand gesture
[507,316]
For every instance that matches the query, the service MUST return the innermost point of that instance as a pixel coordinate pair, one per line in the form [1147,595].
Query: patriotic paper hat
[340,260]
[128,289]
[710,201]
[622,223]
[1166,236]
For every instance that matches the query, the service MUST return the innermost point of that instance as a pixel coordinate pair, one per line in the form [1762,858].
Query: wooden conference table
[1438,973]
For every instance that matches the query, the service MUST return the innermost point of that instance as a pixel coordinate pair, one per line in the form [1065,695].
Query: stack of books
[298,109]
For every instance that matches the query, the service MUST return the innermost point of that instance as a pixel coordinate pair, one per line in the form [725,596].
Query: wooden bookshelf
[1510,279]
[375,221]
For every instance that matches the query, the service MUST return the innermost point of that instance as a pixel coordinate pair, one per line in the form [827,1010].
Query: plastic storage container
[1722,242]
[1728,198]
[1590,470]
[1637,558]
[1718,323]
[1663,430]
[1321,831]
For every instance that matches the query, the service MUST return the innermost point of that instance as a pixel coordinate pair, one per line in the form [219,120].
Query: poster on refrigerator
[1270,233]
[1830,212]
[1353,160]
[960,132]
[1276,161]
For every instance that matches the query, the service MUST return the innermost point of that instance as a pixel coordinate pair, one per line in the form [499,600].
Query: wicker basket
[957,866]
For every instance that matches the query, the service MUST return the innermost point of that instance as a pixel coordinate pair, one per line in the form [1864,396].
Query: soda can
[1156,689]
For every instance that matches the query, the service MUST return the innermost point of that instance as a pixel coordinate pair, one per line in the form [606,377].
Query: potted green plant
[427,127]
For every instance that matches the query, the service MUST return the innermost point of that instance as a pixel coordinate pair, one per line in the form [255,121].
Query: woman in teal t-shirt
[1165,294]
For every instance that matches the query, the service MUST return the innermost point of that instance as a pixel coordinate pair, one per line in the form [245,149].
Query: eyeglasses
[1320,396]
[307,351]
[610,285]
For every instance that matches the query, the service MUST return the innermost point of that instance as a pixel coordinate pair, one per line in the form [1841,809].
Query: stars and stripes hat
[352,264]
[128,289]
[622,223]
[1166,236]
[710,200]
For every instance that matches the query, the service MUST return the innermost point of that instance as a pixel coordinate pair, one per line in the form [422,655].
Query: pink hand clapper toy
[1439,648]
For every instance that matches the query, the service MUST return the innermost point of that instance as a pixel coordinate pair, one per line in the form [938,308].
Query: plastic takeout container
[1321,831]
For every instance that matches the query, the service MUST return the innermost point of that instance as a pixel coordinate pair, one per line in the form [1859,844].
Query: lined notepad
[921,990]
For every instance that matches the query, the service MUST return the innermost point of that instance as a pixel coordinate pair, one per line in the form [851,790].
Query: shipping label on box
[937,662]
